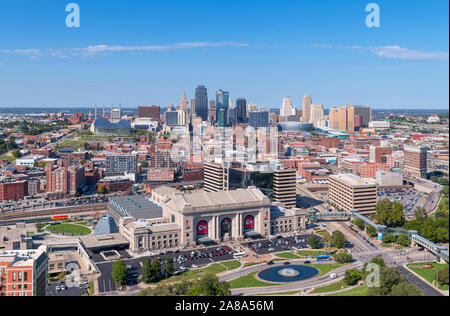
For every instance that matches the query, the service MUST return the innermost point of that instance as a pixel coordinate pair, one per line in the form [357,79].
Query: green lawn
[278,294]
[287,255]
[248,281]
[70,229]
[215,268]
[429,274]
[231,265]
[9,158]
[322,233]
[357,291]
[312,253]
[324,268]
[330,288]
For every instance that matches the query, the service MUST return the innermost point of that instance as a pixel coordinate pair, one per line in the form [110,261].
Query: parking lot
[410,198]
[61,289]
[279,244]
[183,261]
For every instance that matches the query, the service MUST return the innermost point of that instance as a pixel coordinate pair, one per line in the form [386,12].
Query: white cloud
[33,53]
[96,49]
[393,52]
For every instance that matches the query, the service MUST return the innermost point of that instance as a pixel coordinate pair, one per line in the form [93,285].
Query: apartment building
[24,272]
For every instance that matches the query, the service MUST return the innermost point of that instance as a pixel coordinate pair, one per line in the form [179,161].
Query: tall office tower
[259,119]
[232,116]
[192,111]
[176,118]
[307,102]
[342,118]
[366,114]
[119,164]
[251,107]
[351,192]
[230,103]
[222,106]
[350,118]
[153,112]
[287,109]
[116,114]
[284,190]
[415,161]
[184,104]
[216,177]
[24,272]
[201,102]
[241,105]
[316,113]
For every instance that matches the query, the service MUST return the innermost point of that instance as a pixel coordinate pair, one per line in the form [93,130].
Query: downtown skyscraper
[222,106]
[241,105]
[201,102]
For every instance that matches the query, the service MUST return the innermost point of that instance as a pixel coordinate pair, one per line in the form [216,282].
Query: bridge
[441,252]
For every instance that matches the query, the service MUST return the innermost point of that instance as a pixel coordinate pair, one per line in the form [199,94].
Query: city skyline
[143,54]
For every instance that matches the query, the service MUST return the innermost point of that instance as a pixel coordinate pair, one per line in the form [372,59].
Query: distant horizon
[100,107]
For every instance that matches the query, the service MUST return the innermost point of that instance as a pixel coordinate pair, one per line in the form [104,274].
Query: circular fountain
[288,273]
[282,274]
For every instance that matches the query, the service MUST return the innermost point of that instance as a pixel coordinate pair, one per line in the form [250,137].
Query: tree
[16,153]
[398,215]
[211,286]
[389,238]
[390,214]
[147,273]
[443,275]
[182,287]
[389,276]
[343,257]
[168,267]
[420,213]
[314,242]
[359,223]
[195,291]
[338,239]
[119,272]
[383,209]
[405,289]
[371,231]
[352,276]
[403,240]
[101,188]
[156,270]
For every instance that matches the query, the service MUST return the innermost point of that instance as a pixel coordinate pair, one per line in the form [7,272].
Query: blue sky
[138,52]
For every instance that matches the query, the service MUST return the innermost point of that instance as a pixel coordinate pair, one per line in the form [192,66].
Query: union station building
[172,219]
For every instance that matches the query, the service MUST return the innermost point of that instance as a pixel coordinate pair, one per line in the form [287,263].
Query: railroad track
[55,211]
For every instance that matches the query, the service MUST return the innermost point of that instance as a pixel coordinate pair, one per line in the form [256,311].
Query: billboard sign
[249,223]
[202,228]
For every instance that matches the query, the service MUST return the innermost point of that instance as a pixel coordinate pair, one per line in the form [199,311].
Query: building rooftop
[352,179]
[222,198]
[103,241]
[135,206]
